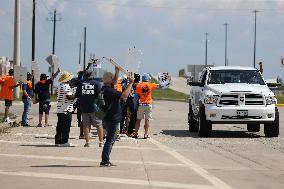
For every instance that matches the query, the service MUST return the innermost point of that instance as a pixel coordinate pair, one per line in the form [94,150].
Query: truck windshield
[235,76]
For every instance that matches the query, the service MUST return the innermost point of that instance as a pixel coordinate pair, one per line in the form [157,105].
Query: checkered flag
[164,79]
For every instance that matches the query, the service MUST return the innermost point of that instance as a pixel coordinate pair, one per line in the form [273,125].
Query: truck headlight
[211,99]
[270,100]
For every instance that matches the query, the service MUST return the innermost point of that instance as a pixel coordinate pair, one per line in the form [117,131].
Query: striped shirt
[64,105]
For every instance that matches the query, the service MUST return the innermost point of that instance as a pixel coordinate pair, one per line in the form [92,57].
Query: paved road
[178,84]
[171,158]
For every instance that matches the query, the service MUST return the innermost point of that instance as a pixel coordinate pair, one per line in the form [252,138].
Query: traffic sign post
[54,65]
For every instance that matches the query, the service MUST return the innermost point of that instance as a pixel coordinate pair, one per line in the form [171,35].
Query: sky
[169,33]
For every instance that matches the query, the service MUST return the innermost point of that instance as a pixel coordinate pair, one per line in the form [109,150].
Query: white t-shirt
[64,104]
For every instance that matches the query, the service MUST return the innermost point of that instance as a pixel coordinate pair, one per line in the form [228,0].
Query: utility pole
[85,33]
[17,36]
[226,34]
[33,32]
[54,20]
[206,41]
[80,53]
[33,41]
[254,49]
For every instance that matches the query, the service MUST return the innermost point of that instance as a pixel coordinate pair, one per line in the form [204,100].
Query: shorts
[144,110]
[44,107]
[89,119]
[8,103]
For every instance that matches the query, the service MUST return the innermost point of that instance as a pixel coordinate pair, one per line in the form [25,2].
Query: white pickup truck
[232,95]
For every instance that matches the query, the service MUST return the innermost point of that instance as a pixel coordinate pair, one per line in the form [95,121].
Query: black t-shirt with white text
[87,93]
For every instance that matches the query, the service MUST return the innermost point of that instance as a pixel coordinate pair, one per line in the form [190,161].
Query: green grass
[53,98]
[169,94]
[280,98]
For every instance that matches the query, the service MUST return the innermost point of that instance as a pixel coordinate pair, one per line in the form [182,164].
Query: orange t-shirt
[118,87]
[30,84]
[7,82]
[144,90]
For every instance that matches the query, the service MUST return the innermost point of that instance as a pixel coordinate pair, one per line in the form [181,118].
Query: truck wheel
[205,127]
[253,127]
[192,123]
[272,129]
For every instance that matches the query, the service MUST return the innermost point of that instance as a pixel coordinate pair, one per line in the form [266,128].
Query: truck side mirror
[198,84]
[274,85]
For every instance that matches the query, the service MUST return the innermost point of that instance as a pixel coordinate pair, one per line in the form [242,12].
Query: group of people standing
[126,103]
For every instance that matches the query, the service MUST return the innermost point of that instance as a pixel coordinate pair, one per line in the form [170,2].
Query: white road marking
[90,160]
[197,168]
[77,145]
[105,180]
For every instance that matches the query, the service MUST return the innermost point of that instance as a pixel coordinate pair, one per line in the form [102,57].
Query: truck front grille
[231,99]
[254,99]
[241,99]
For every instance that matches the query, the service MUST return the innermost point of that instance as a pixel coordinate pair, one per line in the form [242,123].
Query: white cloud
[50,3]
[2,13]
[156,3]
[109,10]
[61,6]
[81,13]
[153,32]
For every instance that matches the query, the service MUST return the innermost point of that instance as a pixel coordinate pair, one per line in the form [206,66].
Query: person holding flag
[144,90]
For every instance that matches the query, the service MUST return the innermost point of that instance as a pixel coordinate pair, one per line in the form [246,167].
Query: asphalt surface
[171,158]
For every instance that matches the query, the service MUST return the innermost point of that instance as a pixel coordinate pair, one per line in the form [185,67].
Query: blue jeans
[27,107]
[111,129]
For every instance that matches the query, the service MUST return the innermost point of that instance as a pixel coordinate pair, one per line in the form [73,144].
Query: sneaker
[67,144]
[117,138]
[81,137]
[135,136]
[101,144]
[25,125]
[40,125]
[146,136]
[87,144]
[8,120]
[107,164]
[47,125]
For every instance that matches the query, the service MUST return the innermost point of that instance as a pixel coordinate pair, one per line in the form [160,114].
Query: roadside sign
[56,66]
[36,70]
[52,59]
[53,62]
[20,74]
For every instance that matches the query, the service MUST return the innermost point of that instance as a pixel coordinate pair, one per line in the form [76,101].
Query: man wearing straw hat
[64,110]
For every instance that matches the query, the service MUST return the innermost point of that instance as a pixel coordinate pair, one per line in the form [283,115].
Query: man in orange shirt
[144,90]
[7,85]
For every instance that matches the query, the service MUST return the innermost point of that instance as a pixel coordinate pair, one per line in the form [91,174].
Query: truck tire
[253,127]
[205,127]
[192,123]
[272,129]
